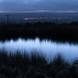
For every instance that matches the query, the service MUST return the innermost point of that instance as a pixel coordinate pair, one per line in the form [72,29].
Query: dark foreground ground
[21,66]
[59,32]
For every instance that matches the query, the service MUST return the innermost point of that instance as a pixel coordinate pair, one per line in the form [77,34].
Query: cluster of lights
[45,18]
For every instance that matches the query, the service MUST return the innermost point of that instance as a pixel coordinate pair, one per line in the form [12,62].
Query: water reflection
[48,48]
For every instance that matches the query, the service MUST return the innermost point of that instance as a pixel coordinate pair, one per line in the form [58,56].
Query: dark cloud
[26,5]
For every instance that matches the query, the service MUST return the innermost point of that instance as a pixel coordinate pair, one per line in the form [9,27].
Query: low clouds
[28,5]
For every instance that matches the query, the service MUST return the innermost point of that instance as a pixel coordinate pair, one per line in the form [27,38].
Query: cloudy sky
[29,5]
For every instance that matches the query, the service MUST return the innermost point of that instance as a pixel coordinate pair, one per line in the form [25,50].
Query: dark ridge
[58,32]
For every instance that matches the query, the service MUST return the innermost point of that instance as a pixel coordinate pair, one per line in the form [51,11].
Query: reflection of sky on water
[48,48]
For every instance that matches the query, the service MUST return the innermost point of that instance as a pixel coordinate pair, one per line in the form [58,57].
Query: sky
[39,5]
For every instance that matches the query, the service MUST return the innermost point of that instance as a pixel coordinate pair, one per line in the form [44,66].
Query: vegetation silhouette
[22,66]
[54,31]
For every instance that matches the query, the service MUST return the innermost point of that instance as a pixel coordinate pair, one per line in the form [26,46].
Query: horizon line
[41,11]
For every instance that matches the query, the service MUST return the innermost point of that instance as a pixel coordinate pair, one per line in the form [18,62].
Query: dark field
[21,66]
[58,32]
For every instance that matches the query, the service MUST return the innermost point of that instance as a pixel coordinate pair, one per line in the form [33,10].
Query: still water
[48,48]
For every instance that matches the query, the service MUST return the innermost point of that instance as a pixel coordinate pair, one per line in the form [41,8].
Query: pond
[48,48]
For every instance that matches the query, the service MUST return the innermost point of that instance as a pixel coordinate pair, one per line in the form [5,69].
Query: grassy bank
[21,66]
[59,32]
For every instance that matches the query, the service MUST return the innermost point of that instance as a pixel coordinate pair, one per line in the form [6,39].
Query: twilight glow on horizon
[39,5]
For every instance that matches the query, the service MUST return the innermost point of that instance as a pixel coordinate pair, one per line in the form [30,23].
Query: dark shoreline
[57,32]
